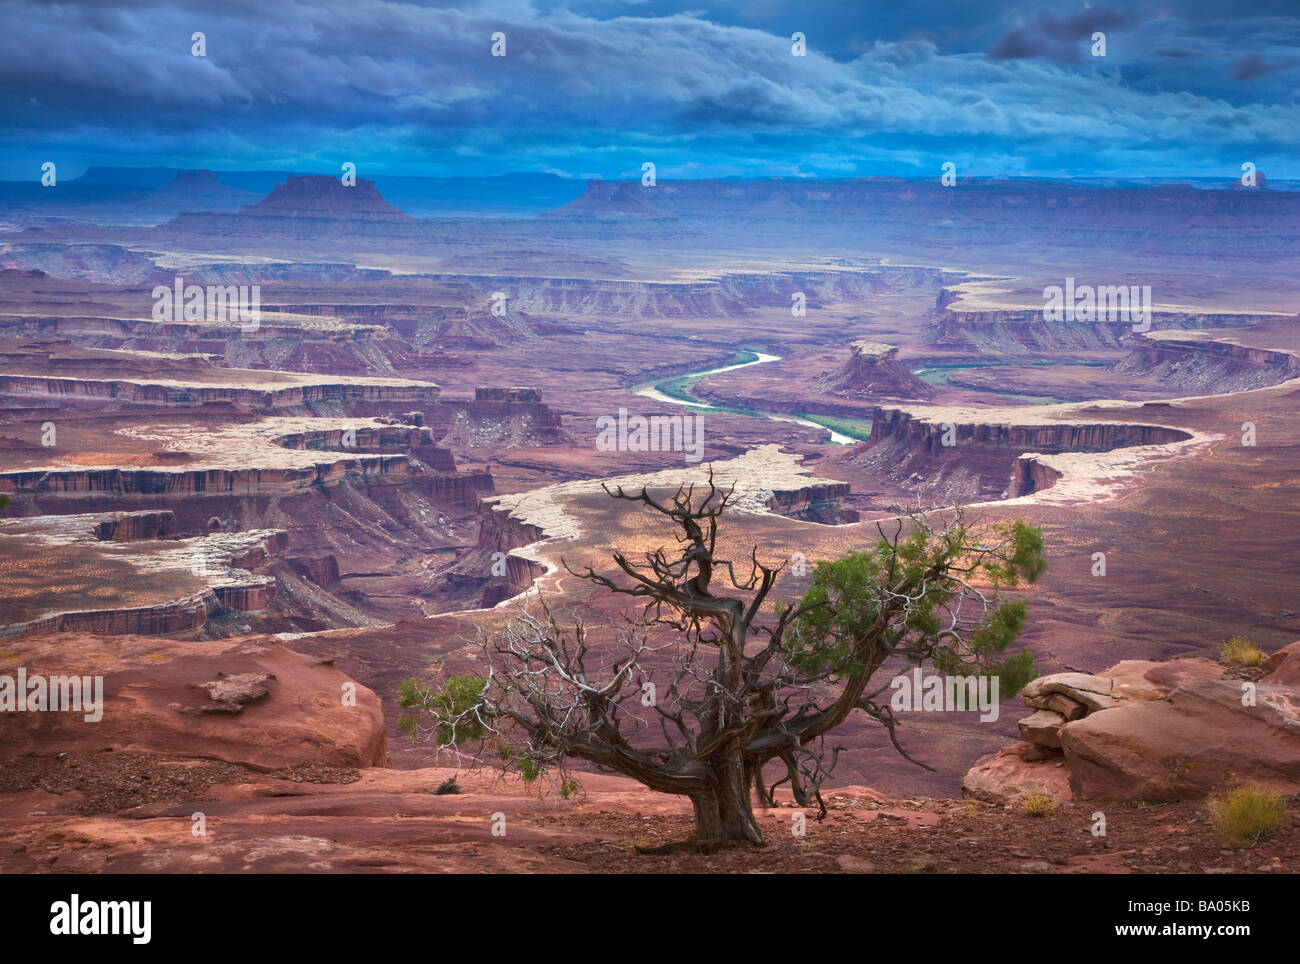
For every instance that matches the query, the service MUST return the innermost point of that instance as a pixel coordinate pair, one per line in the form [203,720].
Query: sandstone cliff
[1207,365]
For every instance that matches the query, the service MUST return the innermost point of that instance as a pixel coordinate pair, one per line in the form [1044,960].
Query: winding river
[648,390]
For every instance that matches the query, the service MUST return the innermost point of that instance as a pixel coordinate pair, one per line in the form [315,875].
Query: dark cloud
[1253,66]
[412,88]
[1060,39]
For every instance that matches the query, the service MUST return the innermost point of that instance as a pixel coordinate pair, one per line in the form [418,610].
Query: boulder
[1154,730]
[1013,771]
[1092,692]
[1042,727]
[231,694]
[1188,744]
[1147,679]
[1283,667]
[266,706]
[1068,707]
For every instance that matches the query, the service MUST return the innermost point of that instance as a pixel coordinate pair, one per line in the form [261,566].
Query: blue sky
[595,88]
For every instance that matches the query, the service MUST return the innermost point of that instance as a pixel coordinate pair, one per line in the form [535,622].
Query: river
[648,390]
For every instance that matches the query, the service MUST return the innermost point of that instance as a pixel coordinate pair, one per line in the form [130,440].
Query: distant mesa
[531,396]
[191,182]
[201,191]
[1013,205]
[873,352]
[872,371]
[319,196]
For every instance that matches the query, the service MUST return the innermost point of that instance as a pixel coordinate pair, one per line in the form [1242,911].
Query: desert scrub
[1243,816]
[1240,651]
[1037,803]
[447,786]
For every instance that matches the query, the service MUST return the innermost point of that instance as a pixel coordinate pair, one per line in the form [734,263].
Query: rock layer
[1146,730]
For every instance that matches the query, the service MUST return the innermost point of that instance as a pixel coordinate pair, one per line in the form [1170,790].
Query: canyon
[403,451]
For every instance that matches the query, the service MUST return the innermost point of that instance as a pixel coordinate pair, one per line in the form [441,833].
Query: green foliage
[1240,651]
[1244,815]
[532,763]
[839,606]
[447,786]
[527,762]
[450,708]
[845,604]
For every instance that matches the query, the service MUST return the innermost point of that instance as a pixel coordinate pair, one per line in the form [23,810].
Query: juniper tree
[735,679]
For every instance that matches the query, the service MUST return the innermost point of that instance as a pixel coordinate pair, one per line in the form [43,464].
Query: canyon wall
[1208,366]
[512,417]
[1020,330]
[814,503]
[985,460]
[137,525]
[1029,475]
[358,395]
[1048,437]
[338,349]
[119,482]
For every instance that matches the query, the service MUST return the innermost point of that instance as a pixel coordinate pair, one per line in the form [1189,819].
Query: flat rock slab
[148,702]
[1190,744]
[1042,727]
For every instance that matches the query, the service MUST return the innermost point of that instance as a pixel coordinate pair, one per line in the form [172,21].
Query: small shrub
[1245,815]
[1240,651]
[1037,803]
[447,786]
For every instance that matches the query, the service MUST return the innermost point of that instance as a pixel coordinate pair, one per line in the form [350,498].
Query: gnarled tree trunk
[724,813]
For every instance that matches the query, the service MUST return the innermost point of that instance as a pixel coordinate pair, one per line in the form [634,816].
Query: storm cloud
[600,88]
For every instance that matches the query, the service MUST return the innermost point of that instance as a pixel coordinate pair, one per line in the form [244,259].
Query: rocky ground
[239,756]
[115,812]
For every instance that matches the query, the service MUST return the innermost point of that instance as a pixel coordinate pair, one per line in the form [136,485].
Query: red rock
[1042,727]
[873,371]
[1009,773]
[148,684]
[1283,667]
[1189,744]
[1145,679]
